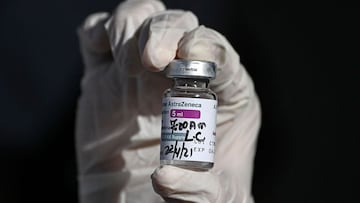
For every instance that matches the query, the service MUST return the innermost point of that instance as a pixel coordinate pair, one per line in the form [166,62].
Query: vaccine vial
[189,109]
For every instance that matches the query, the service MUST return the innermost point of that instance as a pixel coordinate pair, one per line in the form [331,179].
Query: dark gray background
[302,56]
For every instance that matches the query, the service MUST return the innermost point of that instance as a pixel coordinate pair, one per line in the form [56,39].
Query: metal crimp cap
[183,68]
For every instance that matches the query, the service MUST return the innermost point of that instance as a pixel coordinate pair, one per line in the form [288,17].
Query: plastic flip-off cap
[183,68]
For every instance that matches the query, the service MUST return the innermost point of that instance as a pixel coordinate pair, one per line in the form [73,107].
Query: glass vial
[188,128]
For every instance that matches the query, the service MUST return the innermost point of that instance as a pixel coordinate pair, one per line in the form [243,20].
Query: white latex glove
[119,112]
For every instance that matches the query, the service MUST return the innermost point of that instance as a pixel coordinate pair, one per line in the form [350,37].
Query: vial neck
[191,82]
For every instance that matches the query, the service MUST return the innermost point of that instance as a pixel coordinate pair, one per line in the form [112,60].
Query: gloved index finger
[159,37]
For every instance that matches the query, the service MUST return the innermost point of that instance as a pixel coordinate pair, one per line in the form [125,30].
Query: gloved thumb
[174,183]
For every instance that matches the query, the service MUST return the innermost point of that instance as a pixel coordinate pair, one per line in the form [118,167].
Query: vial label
[188,129]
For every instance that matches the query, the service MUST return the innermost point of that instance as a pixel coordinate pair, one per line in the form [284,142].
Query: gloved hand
[119,112]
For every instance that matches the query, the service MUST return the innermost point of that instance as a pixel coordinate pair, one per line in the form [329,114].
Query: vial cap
[183,68]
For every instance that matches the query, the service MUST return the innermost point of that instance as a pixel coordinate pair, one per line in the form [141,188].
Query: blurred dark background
[302,56]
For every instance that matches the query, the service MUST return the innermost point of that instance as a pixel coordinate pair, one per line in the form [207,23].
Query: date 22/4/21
[178,151]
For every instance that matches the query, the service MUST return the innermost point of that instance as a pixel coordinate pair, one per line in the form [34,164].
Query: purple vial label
[180,113]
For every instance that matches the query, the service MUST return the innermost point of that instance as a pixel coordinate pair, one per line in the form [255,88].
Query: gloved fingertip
[158,59]
[160,35]
[167,174]
[203,43]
